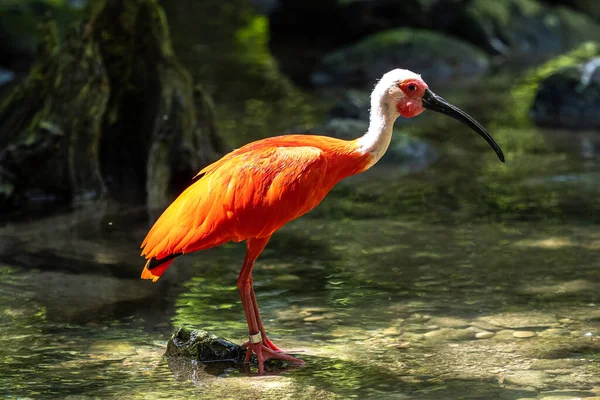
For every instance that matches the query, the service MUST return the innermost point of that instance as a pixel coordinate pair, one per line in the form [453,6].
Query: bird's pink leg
[267,341]
[258,344]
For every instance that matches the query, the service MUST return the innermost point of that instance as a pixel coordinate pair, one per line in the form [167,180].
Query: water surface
[386,293]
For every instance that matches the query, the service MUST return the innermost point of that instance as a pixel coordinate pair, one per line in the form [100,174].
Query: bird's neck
[377,139]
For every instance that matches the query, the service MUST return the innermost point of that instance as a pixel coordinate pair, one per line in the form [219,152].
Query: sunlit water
[420,294]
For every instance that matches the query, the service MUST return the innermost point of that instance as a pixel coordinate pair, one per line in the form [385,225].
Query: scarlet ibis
[253,191]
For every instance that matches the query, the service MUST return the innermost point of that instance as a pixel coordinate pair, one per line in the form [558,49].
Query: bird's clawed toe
[264,352]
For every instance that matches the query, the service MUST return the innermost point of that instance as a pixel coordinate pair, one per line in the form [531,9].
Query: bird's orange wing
[250,192]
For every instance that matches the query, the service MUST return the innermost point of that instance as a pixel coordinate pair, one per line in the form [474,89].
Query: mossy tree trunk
[106,111]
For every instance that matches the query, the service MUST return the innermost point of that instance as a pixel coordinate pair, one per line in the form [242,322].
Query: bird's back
[251,192]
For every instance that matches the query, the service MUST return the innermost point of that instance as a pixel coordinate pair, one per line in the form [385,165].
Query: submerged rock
[521,320]
[532,379]
[438,57]
[524,334]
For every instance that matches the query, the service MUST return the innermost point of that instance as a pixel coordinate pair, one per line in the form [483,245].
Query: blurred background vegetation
[243,70]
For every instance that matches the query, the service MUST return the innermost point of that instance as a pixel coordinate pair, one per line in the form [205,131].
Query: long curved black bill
[433,102]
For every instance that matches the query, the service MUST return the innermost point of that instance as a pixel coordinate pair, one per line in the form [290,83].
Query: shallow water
[419,297]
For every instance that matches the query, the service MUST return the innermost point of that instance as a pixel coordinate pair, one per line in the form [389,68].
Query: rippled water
[384,293]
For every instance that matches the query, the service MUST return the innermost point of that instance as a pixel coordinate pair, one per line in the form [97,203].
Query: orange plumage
[250,193]
[255,190]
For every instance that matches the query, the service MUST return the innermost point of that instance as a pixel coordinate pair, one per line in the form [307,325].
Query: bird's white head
[399,93]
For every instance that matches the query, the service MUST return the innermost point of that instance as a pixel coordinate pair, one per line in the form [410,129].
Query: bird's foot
[264,353]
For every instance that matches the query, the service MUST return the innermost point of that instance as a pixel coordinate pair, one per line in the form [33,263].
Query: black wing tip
[157,262]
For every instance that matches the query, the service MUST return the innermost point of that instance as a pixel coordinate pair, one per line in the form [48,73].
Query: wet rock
[392,331]
[524,334]
[311,310]
[555,364]
[504,335]
[449,322]
[570,98]
[534,379]
[449,334]
[314,318]
[202,346]
[484,335]
[439,58]
[485,326]
[521,320]
[287,278]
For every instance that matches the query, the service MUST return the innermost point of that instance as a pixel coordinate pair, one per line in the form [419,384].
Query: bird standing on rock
[253,191]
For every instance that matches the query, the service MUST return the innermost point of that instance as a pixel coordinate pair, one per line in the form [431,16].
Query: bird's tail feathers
[155,272]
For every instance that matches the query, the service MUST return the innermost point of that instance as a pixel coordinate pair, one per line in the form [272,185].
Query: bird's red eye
[412,87]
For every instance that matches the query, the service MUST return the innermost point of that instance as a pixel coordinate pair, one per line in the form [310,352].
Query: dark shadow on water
[350,379]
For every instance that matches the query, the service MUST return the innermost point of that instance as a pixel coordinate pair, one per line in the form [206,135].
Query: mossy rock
[200,346]
[569,98]
[203,346]
[437,57]
[525,93]
[523,30]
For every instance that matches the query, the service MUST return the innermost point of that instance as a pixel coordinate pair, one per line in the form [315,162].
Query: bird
[253,191]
